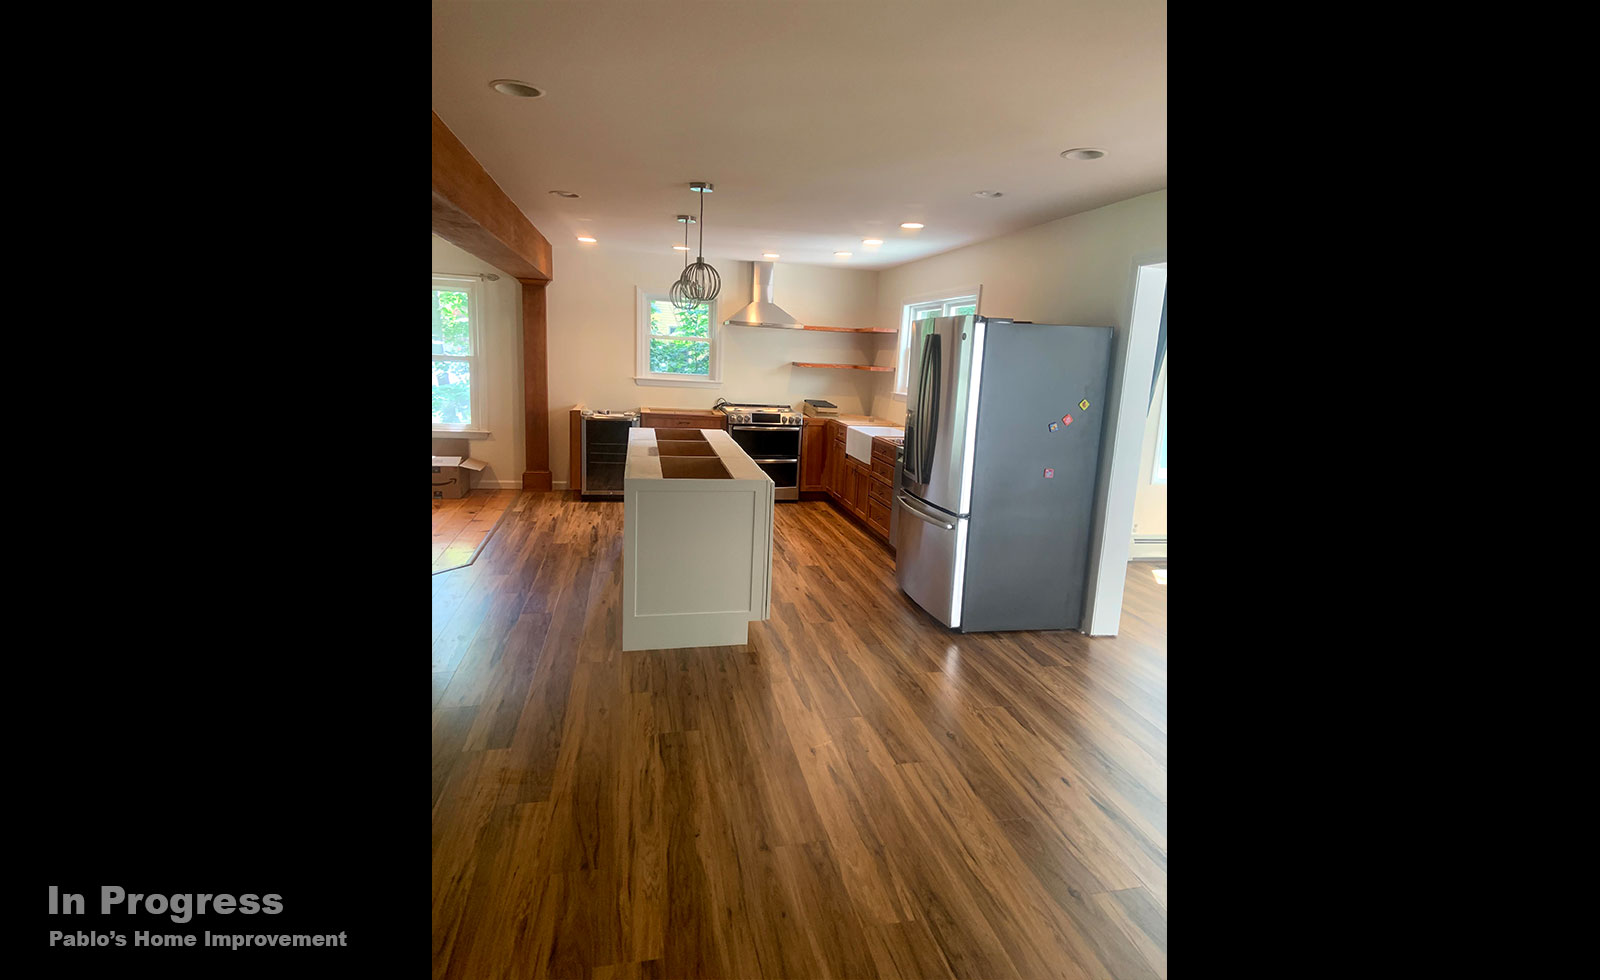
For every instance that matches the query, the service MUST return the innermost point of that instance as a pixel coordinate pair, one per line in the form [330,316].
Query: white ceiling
[820,122]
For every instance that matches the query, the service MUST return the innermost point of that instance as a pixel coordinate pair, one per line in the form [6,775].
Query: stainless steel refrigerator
[997,481]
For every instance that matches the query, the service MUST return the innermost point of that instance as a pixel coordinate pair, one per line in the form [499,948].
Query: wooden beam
[471,212]
[535,387]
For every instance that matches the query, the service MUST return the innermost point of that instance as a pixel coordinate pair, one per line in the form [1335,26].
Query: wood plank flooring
[462,525]
[856,793]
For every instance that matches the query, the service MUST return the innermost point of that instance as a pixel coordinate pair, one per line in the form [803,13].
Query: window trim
[902,370]
[477,313]
[642,375]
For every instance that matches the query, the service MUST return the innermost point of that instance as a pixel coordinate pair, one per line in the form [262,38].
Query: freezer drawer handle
[921,515]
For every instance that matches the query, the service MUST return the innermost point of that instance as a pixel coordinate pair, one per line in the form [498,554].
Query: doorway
[1118,492]
[1150,498]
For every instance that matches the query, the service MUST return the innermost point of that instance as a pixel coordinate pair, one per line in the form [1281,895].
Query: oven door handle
[766,428]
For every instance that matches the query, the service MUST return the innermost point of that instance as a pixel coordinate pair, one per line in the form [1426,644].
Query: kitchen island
[696,540]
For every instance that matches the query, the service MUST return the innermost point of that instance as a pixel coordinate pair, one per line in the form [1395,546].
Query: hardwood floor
[462,525]
[856,793]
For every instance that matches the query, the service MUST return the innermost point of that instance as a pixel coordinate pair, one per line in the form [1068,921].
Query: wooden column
[535,387]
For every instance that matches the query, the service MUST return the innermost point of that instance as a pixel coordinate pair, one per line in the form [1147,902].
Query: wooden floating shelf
[853,367]
[851,329]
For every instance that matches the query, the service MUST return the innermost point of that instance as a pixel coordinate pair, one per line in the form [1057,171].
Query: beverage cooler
[605,451]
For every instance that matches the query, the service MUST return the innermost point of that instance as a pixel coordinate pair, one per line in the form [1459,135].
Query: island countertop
[646,451]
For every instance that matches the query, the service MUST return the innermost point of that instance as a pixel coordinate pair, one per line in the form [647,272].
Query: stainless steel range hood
[761,312]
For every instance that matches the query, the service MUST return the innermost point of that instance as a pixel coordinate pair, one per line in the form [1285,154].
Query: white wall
[499,370]
[1077,269]
[592,329]
[1074,270]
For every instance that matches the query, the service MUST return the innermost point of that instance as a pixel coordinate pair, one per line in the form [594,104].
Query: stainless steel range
[770,435]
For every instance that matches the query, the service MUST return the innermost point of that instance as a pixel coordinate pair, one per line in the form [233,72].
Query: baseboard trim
[1147,548]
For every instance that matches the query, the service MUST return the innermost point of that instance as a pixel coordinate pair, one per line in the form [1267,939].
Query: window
[924,310]
[457,341]
[677,347]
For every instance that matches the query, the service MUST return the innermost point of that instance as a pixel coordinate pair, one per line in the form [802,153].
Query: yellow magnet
[1084,404]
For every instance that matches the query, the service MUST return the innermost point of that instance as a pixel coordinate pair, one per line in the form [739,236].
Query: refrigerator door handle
[935,375]
[923,515]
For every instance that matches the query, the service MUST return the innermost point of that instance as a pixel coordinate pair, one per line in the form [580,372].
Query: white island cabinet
[696,540]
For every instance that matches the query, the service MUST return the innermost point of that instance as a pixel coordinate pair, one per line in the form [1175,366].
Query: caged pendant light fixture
[699,283]
[679,299]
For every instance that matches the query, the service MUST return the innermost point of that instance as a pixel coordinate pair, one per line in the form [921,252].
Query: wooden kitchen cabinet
[814,446]
[655,418]
[836,461]
[878,517]
[863,490]
[860,477]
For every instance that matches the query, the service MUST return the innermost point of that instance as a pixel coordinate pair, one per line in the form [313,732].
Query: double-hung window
[457,344]
[912,313]
[677,347]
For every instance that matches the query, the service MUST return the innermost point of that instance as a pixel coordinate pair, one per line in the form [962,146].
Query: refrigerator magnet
[1084,404]
[1066,420]
[1049,474]
[1054,426]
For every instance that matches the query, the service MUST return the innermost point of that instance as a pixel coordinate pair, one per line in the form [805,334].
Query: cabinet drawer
[883,450]
[883,469]
[878,517]
[881,492]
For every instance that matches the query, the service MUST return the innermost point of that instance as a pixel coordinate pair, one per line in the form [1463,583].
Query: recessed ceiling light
[510,86]
[872,241]
[911,224]
[988,194]
[841,255]
[1083,153]
[769,255]
[563,194]
[586,238]
[681,248]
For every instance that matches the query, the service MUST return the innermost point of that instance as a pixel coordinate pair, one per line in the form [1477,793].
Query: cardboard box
[452,476]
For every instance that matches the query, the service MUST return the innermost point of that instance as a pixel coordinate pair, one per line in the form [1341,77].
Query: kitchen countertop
[707,412]
[852,420]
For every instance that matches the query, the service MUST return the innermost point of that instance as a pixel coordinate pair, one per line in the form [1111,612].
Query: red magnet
[1049,474]
[1066,420]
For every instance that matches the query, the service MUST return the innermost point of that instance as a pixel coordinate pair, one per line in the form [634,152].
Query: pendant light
[679,299]
[699,283]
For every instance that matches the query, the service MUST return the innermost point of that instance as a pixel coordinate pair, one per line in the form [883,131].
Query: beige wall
[1076,269]
[592,329]
[500,370]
